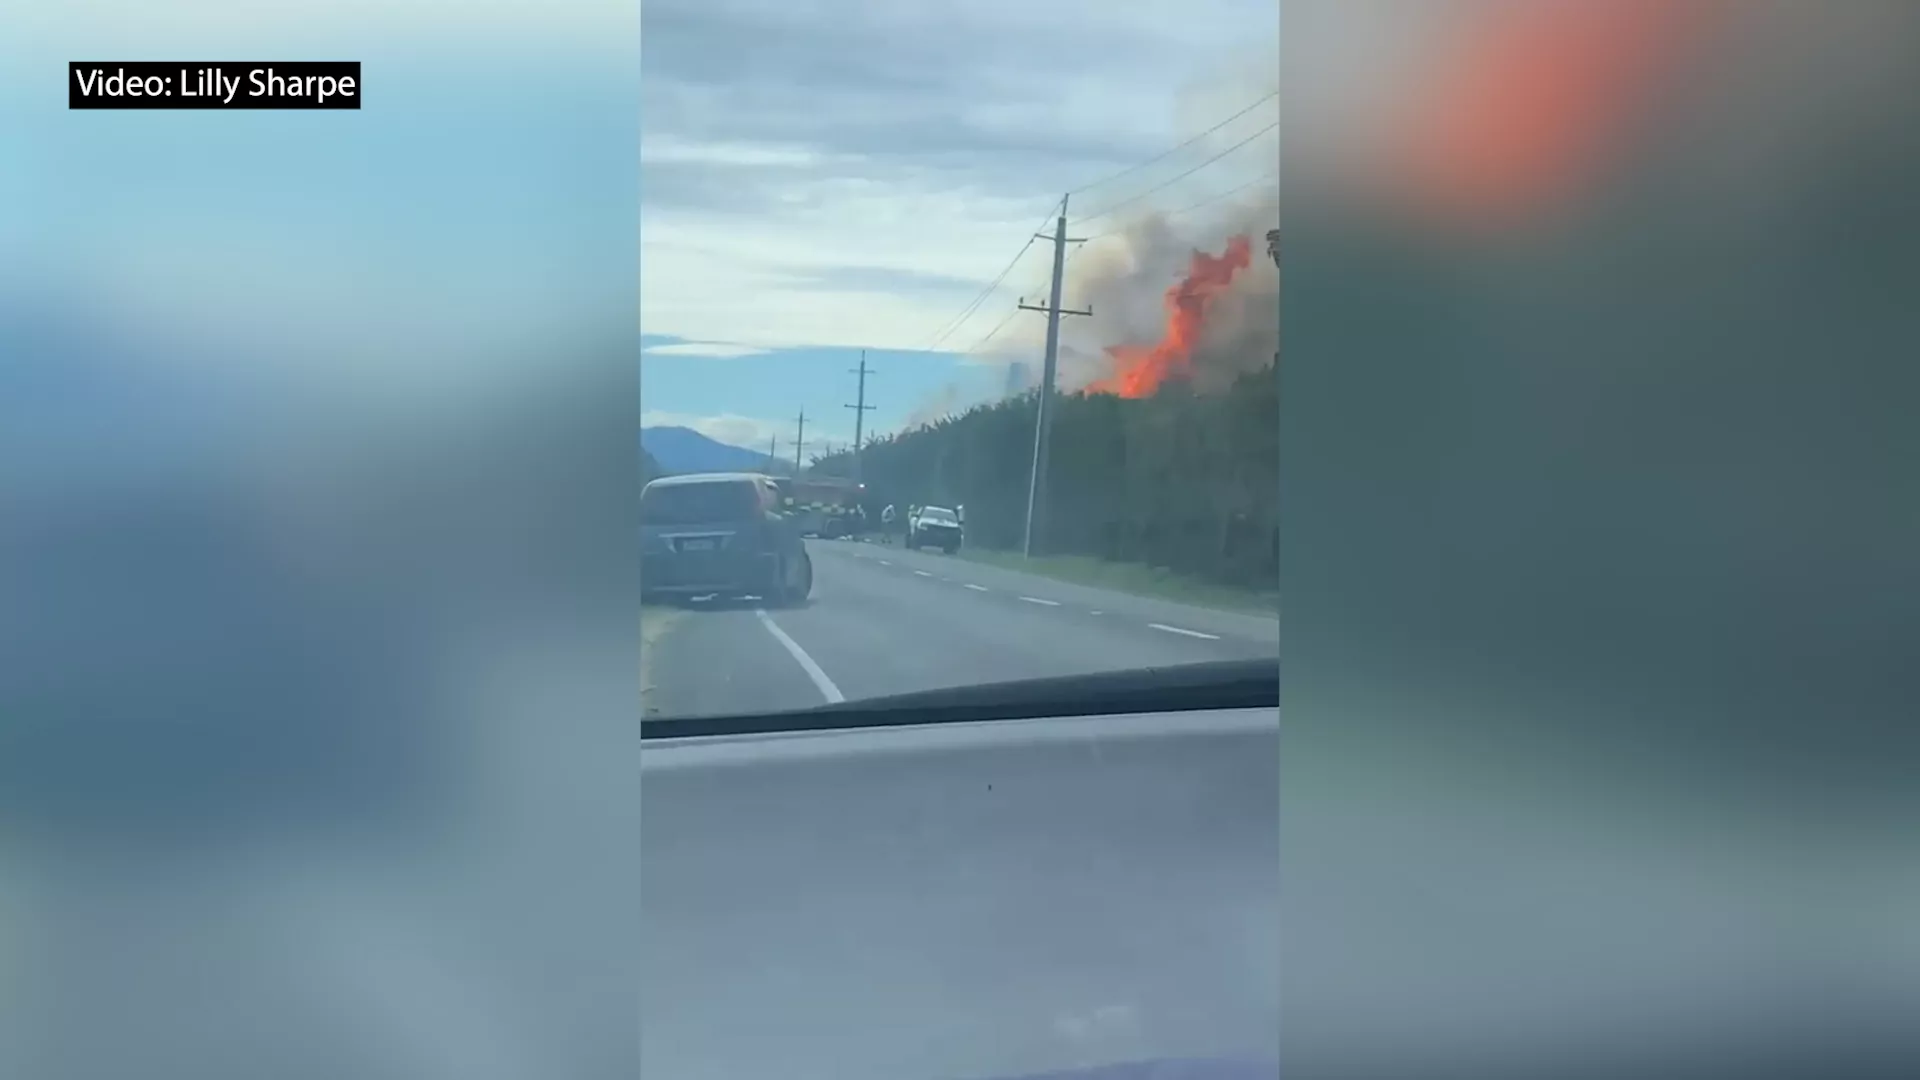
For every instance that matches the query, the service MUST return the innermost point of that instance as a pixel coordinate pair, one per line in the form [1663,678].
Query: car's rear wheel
[796,581]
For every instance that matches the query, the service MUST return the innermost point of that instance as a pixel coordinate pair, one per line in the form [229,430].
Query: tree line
[1182,481]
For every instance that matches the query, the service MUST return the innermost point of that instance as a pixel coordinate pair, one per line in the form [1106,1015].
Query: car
[726,535]
[935,526]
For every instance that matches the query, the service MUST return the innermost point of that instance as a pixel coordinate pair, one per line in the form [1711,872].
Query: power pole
[1043,423]
[773,451]
[860,410]
[799,440]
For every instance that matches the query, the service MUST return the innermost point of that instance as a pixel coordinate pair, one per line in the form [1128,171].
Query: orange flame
[1139,370]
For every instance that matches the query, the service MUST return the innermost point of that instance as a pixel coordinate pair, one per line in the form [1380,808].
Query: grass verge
[1136,578]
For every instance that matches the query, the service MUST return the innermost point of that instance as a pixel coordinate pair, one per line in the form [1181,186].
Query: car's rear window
[700,504]
[940,517]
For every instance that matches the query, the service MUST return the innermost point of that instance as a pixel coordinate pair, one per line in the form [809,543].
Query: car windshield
[1031,282]
[718,502]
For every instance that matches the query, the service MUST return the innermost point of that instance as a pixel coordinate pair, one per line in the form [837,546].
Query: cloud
[852,173]
[733,430]
[668,149]
[715,349]
[181,26]
[886,280]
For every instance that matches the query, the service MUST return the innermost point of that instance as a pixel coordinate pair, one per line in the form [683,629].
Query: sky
[820,177]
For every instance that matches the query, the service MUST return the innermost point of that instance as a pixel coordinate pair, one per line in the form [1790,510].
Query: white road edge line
[1037,600]
[978,588]
[1180,630]
[820,681]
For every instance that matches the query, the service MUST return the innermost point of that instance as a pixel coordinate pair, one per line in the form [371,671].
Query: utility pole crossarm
[1024,306]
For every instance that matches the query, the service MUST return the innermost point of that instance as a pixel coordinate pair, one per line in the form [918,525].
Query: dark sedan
[720,534]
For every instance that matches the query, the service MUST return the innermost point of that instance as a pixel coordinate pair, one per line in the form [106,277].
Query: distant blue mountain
[684,450]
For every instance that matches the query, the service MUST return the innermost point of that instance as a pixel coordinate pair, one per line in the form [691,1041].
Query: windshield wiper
[1220,684]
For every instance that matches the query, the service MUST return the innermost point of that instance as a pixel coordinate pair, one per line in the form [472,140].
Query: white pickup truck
[935,526]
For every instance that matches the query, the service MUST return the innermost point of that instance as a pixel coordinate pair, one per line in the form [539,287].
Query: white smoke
[1124,277]
[944,402]
[1124,272]
[1125,282]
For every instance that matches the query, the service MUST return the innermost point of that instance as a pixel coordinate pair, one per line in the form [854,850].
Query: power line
[968,311]
[1161,187]
[1004,320]
[1208,201]
[1189,208]
[997,327]
[1131,169]
[947,330]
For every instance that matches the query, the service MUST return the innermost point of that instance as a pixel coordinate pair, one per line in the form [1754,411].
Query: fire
[1139,370]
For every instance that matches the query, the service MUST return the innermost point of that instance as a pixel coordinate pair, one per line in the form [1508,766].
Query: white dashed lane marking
[1184,631]
[832,693]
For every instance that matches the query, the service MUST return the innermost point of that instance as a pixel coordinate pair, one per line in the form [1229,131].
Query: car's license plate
[696,545]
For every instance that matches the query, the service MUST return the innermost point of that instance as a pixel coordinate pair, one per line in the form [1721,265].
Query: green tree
[1184,481]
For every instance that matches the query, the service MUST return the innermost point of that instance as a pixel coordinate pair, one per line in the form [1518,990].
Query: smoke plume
[1124,275]
[1125,280]
[947,400]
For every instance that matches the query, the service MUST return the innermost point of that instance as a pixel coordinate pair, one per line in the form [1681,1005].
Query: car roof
[935,509]
[708,478]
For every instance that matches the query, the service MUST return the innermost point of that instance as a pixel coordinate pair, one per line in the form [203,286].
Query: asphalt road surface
[884,620]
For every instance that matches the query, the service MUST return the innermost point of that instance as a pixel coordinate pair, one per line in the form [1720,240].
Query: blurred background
[1595,441]
[1598,551]
[316,480]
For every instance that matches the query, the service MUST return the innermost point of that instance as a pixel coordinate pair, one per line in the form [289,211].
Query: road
[883,620]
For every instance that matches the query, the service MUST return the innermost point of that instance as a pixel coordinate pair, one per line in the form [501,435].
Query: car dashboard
[968,899]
